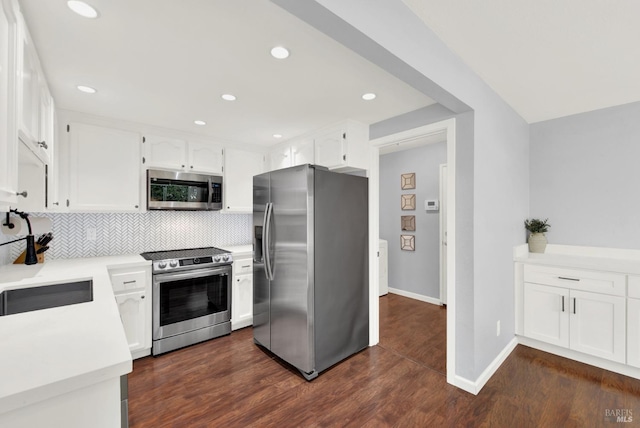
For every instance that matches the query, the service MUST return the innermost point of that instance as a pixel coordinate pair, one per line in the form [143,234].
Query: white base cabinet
[242,292]
[585,322]
[574,304]
[132,289]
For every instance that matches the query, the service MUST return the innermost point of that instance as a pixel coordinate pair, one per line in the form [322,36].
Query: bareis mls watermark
[618,415]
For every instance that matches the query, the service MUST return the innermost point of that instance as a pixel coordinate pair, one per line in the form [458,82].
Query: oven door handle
[266,227]
[195,273]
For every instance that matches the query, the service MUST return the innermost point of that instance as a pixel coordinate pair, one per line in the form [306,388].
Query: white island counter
[61,367]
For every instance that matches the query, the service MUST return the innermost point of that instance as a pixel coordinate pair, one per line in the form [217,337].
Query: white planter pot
[537,243]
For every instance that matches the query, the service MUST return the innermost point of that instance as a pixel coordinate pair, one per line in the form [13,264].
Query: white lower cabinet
[132,289]
[567,316]
[242,293]
[633,332]
[132,307]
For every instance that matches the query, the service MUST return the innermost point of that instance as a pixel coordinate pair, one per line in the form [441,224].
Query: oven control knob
[162,265]
[216,259]
[225,258]
[173,263]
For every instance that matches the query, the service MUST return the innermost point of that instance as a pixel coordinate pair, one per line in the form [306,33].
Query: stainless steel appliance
[175,190]
[310,234]
[191,296]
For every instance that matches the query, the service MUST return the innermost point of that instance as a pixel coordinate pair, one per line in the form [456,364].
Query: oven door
[189,300]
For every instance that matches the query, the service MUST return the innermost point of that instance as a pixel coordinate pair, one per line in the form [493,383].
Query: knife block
[23,255]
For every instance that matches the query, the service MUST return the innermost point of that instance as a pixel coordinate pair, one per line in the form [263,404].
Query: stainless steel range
[191,296]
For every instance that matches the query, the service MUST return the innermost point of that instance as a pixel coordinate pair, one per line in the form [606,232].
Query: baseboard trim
[415,296]
[475,387]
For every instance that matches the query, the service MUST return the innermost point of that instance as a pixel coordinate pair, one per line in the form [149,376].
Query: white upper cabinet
[104,169]
[240,167]
[343,147]
[204,157]
[280,157]
[28,88]
[8,130]
[182,155]
[161,152]
[302,152]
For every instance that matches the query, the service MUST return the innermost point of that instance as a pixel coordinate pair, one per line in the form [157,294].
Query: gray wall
[414,271]
[585,177]
[492,161]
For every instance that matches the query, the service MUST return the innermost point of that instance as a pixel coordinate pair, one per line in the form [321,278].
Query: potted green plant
[537,239]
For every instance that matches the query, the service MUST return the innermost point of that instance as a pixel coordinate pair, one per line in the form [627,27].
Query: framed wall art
[408,202]
[407,242]
[408,181]
[408,222]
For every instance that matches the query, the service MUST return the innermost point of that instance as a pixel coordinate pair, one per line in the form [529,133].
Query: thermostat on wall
[431,205]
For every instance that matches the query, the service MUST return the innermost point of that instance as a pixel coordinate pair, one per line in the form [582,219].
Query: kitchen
[518,192]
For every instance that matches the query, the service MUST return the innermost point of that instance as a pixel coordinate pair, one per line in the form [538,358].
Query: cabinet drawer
[127,281]
[634,286]
[242,266]
[599,282]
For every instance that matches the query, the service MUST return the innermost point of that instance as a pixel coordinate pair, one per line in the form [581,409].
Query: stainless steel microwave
[176,190]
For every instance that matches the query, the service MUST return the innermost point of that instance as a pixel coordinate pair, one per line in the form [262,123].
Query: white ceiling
[166,63]
[545,58]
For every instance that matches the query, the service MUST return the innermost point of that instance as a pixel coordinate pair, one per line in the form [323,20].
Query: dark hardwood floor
[230,382]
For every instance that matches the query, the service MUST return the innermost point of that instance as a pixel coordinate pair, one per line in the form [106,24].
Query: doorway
[409,139]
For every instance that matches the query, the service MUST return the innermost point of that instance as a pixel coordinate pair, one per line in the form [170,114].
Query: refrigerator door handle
[266,240]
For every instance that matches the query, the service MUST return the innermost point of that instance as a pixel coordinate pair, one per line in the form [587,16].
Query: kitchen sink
[44,297]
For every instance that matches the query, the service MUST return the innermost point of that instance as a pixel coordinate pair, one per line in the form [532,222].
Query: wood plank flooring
[230,382]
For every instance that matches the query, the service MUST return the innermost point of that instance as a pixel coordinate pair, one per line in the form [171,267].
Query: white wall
[585,177]
[414,271]
[493,184]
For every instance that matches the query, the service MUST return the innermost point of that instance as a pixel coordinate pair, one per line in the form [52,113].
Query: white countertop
[49,352]
[602,259]
[240,250]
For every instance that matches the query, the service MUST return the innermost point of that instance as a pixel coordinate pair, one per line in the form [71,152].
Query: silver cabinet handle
[130,282]
[142,297]
[568,279]
[43,144]
[23,193]
[574,305]
[246,266]
[562,303]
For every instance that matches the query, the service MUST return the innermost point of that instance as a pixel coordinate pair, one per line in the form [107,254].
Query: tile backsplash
[133,233]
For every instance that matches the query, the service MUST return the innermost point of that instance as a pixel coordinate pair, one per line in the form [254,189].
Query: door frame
[409,137]
[444,208]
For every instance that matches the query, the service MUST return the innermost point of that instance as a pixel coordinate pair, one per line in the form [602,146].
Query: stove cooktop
[192,258]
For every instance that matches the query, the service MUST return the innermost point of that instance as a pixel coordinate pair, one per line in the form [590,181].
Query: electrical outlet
[91,234]
[498,328]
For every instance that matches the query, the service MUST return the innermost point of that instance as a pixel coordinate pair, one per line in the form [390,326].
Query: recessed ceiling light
[277,135]
[228,97]
[82,9]
[200,122]
[369,96]
[86,89]
[279,52]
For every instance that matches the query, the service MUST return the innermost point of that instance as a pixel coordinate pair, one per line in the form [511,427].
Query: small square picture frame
[407,242]
[408,181]
[408,223]
[408,201]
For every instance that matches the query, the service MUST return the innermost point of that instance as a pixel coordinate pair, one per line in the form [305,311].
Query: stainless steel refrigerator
[310,271]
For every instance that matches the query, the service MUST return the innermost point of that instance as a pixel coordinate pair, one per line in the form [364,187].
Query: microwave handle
[210,192]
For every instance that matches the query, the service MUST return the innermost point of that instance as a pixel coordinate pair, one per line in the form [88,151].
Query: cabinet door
[330,150]
[242,301]
[104,169]
[31,179]
[133,314]
[597,325]
[28,88]
[240,167]
[8,131]
[205,158]
[161,152]
[546,314]
[302,152]
[280,158]
[633,332]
